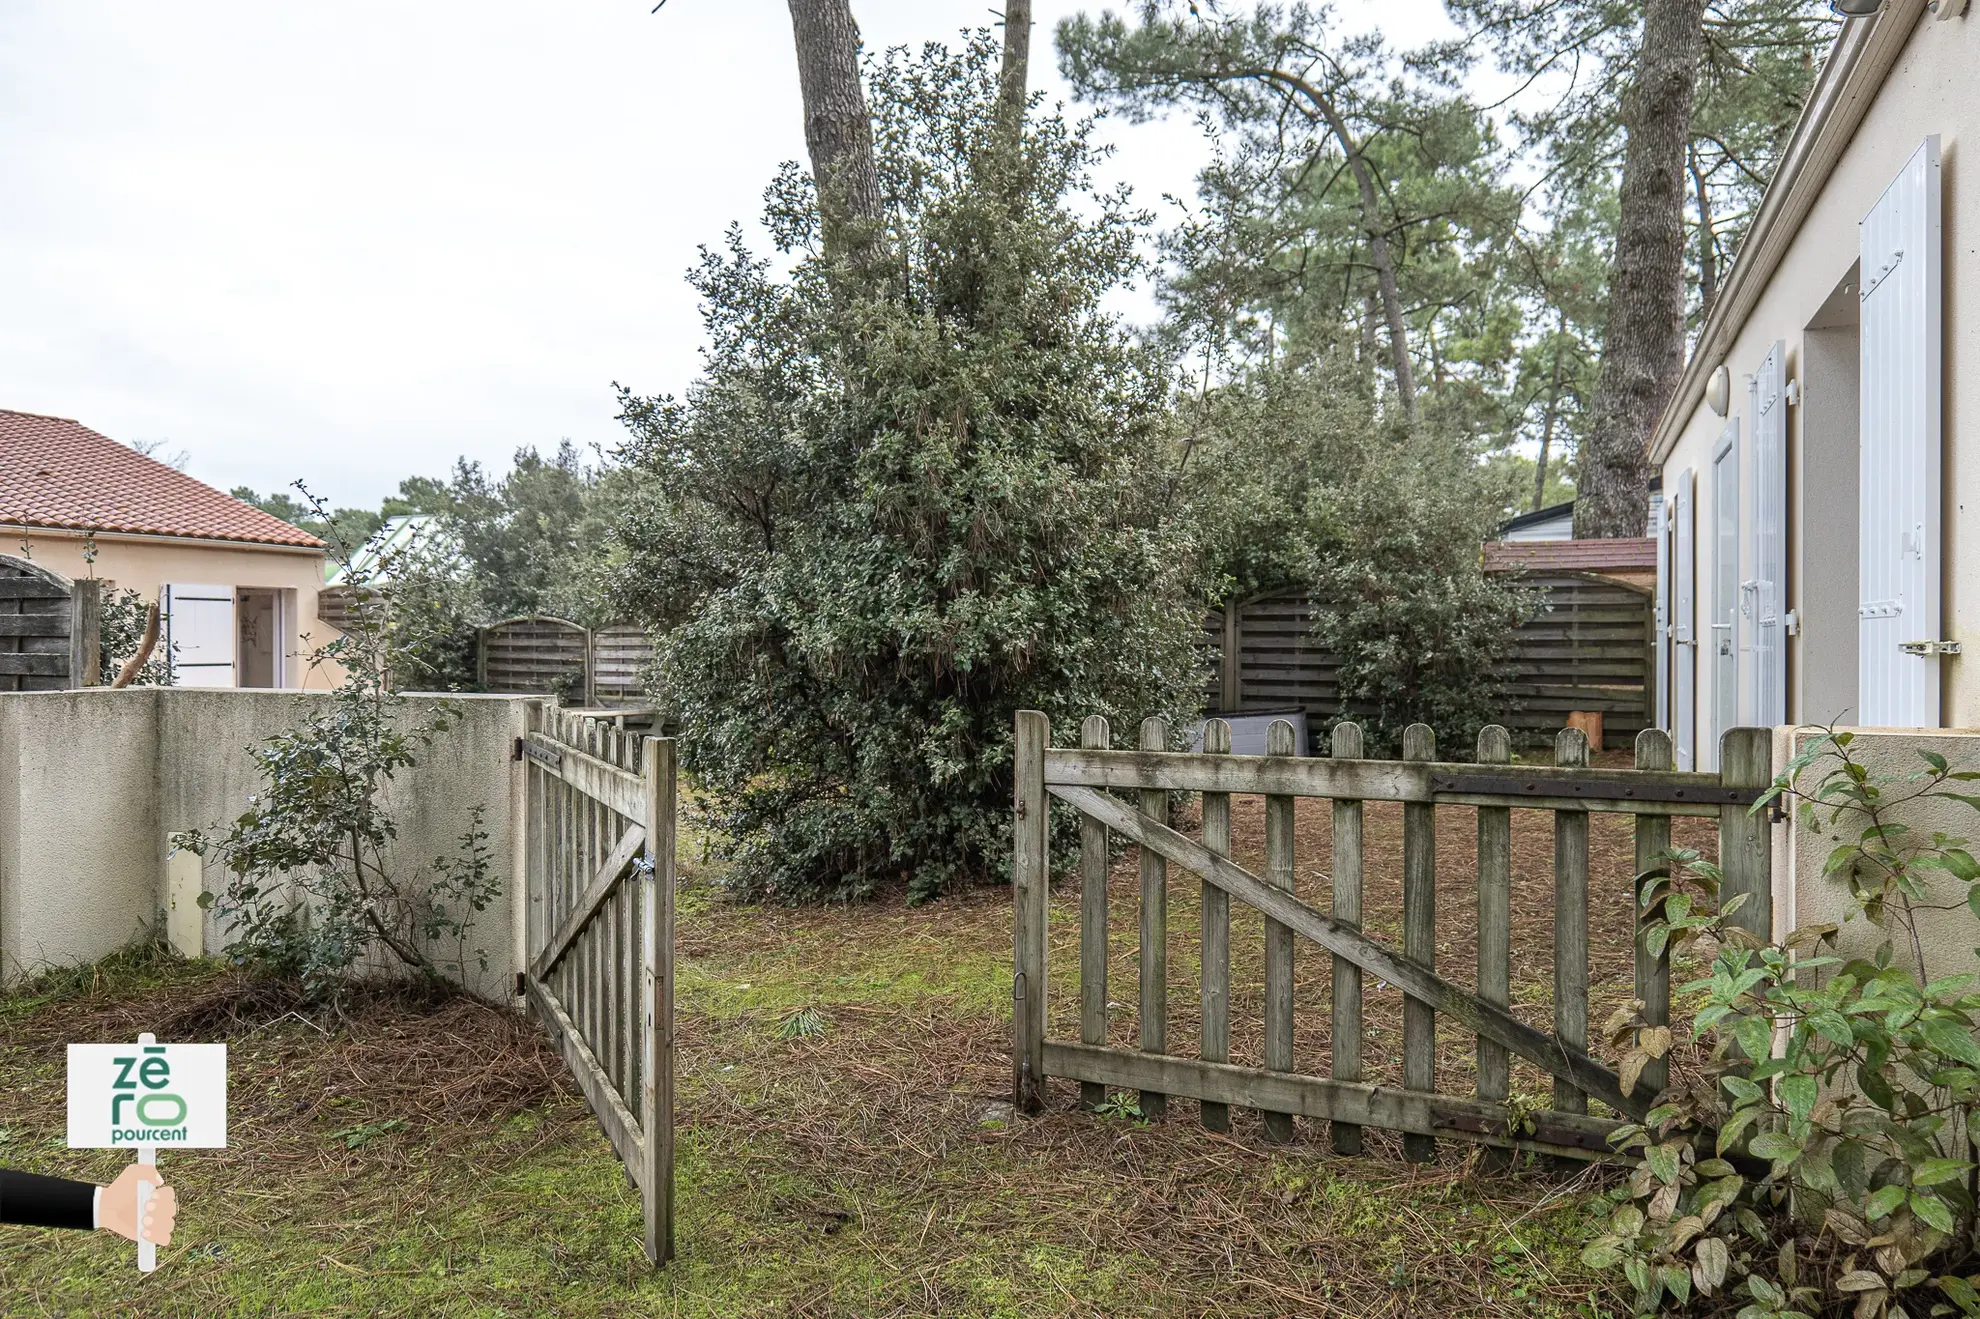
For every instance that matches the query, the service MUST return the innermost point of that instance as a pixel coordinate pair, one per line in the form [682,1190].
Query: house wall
[1931,89]
[146,563]
[1804,895]
[92,783]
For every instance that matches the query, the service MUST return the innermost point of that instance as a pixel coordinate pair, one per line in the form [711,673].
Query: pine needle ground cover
[844,1145]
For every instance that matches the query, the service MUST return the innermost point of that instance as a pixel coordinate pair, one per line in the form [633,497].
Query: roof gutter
[161,538]
[1862,58]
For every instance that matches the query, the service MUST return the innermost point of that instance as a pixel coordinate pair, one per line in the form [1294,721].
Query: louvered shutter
[1899,547]
[1763,592]
[1660,524]
[1724,641]
[199,635]
[1684,605]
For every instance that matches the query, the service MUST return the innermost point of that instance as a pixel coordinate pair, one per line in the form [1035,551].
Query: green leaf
[1933,1171]
[1952,1038]
[1931,1209]
[1774,1146]
[1663,1161]
[1799,1093]
[1882,1202]
[1756,1037]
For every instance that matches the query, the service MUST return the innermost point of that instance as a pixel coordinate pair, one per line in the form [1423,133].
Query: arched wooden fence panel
[536,657]
[42,648]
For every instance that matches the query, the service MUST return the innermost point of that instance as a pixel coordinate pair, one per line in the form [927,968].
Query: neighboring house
[1820,556]
[409,532]
[1556,521]
[237,587]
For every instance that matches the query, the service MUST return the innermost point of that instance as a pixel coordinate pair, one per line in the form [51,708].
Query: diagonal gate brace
[1572,1065]
[602,886]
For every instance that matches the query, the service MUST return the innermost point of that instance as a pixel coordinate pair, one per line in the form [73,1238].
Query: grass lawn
[430,1158]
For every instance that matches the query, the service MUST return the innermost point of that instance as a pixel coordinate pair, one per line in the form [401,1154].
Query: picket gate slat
[1346,1044]
[1571,921]
[1093,860]
[1215,916]
[1154,995]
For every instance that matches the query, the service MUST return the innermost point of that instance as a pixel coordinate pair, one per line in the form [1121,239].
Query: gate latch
[1929,648]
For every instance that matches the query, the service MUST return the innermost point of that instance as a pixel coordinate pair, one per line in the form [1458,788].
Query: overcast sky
[348,242]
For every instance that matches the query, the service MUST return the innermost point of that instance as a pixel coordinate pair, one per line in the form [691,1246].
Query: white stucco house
[1819,543]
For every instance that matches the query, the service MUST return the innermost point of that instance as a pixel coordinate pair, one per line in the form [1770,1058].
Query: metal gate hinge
[521,986]
[515,752]
[1929,648]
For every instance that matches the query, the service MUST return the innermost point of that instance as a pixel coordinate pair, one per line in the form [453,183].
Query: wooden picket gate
[600,974]
[1087,779]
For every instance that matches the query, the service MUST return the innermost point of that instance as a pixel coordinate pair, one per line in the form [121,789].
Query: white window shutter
[201,642]
[1724,642]
[1684,605]
[1763,593]
[1660,673]
[1900,289]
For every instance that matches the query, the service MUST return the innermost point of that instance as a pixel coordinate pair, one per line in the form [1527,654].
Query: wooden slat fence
[599,823]
[536,657]
[1590,647]
[621,654]
[1125,795]
[50,629]
[555,657]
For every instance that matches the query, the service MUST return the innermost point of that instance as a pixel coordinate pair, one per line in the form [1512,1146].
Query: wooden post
[1347,745]
[1494,926]
[480,658]
[1216,941]
[86,633]
[1030,884]
[1746,853]
[1230,668]
[1093,733]
[1571,921]
[1279,825]
[656,1092]
[1653,973]
[1154,925]
[1419,936]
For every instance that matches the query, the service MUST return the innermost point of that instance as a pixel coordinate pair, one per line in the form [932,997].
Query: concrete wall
[1931,89]
[146,563]
[92,783]
[1803,895]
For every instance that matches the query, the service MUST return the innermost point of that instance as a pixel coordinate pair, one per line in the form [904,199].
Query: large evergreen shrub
[898,507]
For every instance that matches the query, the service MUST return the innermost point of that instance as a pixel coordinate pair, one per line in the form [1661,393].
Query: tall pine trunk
[838,130]
[1643,346]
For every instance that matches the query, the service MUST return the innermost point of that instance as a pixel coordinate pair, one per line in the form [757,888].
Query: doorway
[258,616]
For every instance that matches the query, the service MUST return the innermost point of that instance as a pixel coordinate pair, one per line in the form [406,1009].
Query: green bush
[316,880]
[885,519]
[1821,1162]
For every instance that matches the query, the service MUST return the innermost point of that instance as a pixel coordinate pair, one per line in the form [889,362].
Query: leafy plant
[885,520]
[1121,1104]
[803,1024]
[316,882]
[1821,1158]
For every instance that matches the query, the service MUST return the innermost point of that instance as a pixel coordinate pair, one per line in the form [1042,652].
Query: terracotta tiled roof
[1629,554]
[59,473]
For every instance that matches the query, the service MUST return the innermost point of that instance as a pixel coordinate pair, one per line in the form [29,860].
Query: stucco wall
[146,563]
[93,782]
[1949,937]
[1930,90]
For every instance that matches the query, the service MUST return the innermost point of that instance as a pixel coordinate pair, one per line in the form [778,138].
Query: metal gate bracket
[1929,648]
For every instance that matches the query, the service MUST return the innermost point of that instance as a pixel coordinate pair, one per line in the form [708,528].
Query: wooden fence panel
[599,849]
[621,655]
[535,657]
[1124,794]
[35,612]
[1589,647]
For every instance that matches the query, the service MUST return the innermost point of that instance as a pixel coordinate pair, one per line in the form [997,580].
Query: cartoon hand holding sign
[145,1096]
